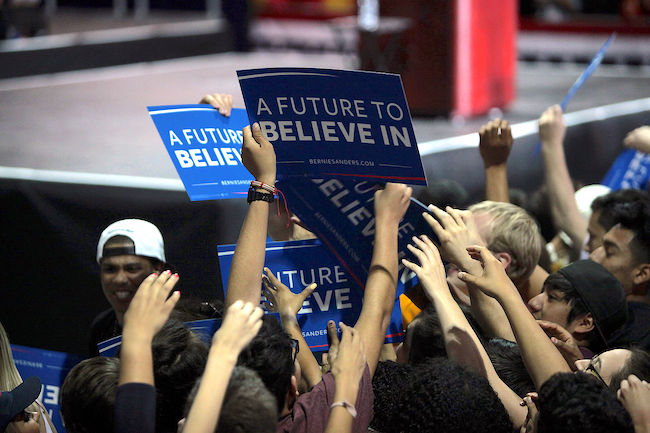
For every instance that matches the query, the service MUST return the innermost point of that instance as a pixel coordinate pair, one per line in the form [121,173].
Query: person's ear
[504,258]
[292,393]
[585,324]
[641,274]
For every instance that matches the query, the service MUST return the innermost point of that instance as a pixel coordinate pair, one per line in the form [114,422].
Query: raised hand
[281,299]
[638,139]
[495,142]
[492,280]
[634,394]
[454,234]
[350,362]
[430,272]
[239,327]
[563,340]
[258,155]
[551,127]
[220,101]
[392,202]
[151,306]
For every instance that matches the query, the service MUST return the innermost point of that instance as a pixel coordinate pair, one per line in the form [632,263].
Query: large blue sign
[205,148]
[630,170]
[52,368]
[341,213]
[331,123]
[337,297]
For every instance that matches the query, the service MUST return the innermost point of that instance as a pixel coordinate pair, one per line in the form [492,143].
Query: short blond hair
[512,230]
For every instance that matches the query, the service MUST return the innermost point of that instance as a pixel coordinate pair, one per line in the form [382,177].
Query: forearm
[379,294]
[340,420]
[245,280]
[205,411]
[496,183]
[308,365]
[453,320]
[564,209]
[136,360]
[541,357]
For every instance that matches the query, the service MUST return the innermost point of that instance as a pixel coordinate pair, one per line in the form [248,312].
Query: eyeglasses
[24,416]
[591,369]
[295,348]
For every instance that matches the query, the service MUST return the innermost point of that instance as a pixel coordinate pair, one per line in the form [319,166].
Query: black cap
[602,293]
[14,401]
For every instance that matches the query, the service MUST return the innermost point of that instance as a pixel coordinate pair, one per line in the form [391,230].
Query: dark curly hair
[269,355]
[388,385]
[509,365]
[579,402]
[179,358]
[446,398]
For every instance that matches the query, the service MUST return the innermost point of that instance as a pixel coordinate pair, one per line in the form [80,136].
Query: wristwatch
[254,195]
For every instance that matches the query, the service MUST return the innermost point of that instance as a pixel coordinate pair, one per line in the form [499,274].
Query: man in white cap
[128,251]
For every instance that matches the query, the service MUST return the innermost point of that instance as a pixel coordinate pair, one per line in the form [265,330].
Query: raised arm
[378,299]
[245,280]
[540,356]
[135,402]
[495,143]
[241,324]
[461,342]
[456,231]
[287,304]
[347,369]
[564,208]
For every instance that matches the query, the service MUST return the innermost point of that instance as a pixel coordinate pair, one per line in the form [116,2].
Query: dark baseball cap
[14,401]
[602,293]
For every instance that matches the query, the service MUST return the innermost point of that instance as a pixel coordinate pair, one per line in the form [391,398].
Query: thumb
[257,133]
[468,278]
[308,291]
[561,345]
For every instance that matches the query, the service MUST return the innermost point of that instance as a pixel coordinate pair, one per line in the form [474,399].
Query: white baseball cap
[147,239]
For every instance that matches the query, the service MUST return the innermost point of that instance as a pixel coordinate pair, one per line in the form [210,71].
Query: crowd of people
[509,329]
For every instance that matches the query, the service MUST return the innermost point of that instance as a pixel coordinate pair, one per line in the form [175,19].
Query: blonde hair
[511,230]
[9,376]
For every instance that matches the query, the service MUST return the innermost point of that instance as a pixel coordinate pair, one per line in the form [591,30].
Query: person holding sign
[310,411]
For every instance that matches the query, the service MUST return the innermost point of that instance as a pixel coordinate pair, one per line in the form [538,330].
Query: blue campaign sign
[331,123]
[341,213]
[299,263]
[205,148]
[204,329]
[630,170]
[49,366]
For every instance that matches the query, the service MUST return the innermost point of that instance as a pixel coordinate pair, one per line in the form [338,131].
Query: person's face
[605,365]
[615,255]
[595,233]
[121,276]
[30,426]
[551,306]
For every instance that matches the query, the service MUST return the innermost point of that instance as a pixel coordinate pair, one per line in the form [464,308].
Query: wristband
[254,195]
[344,403]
